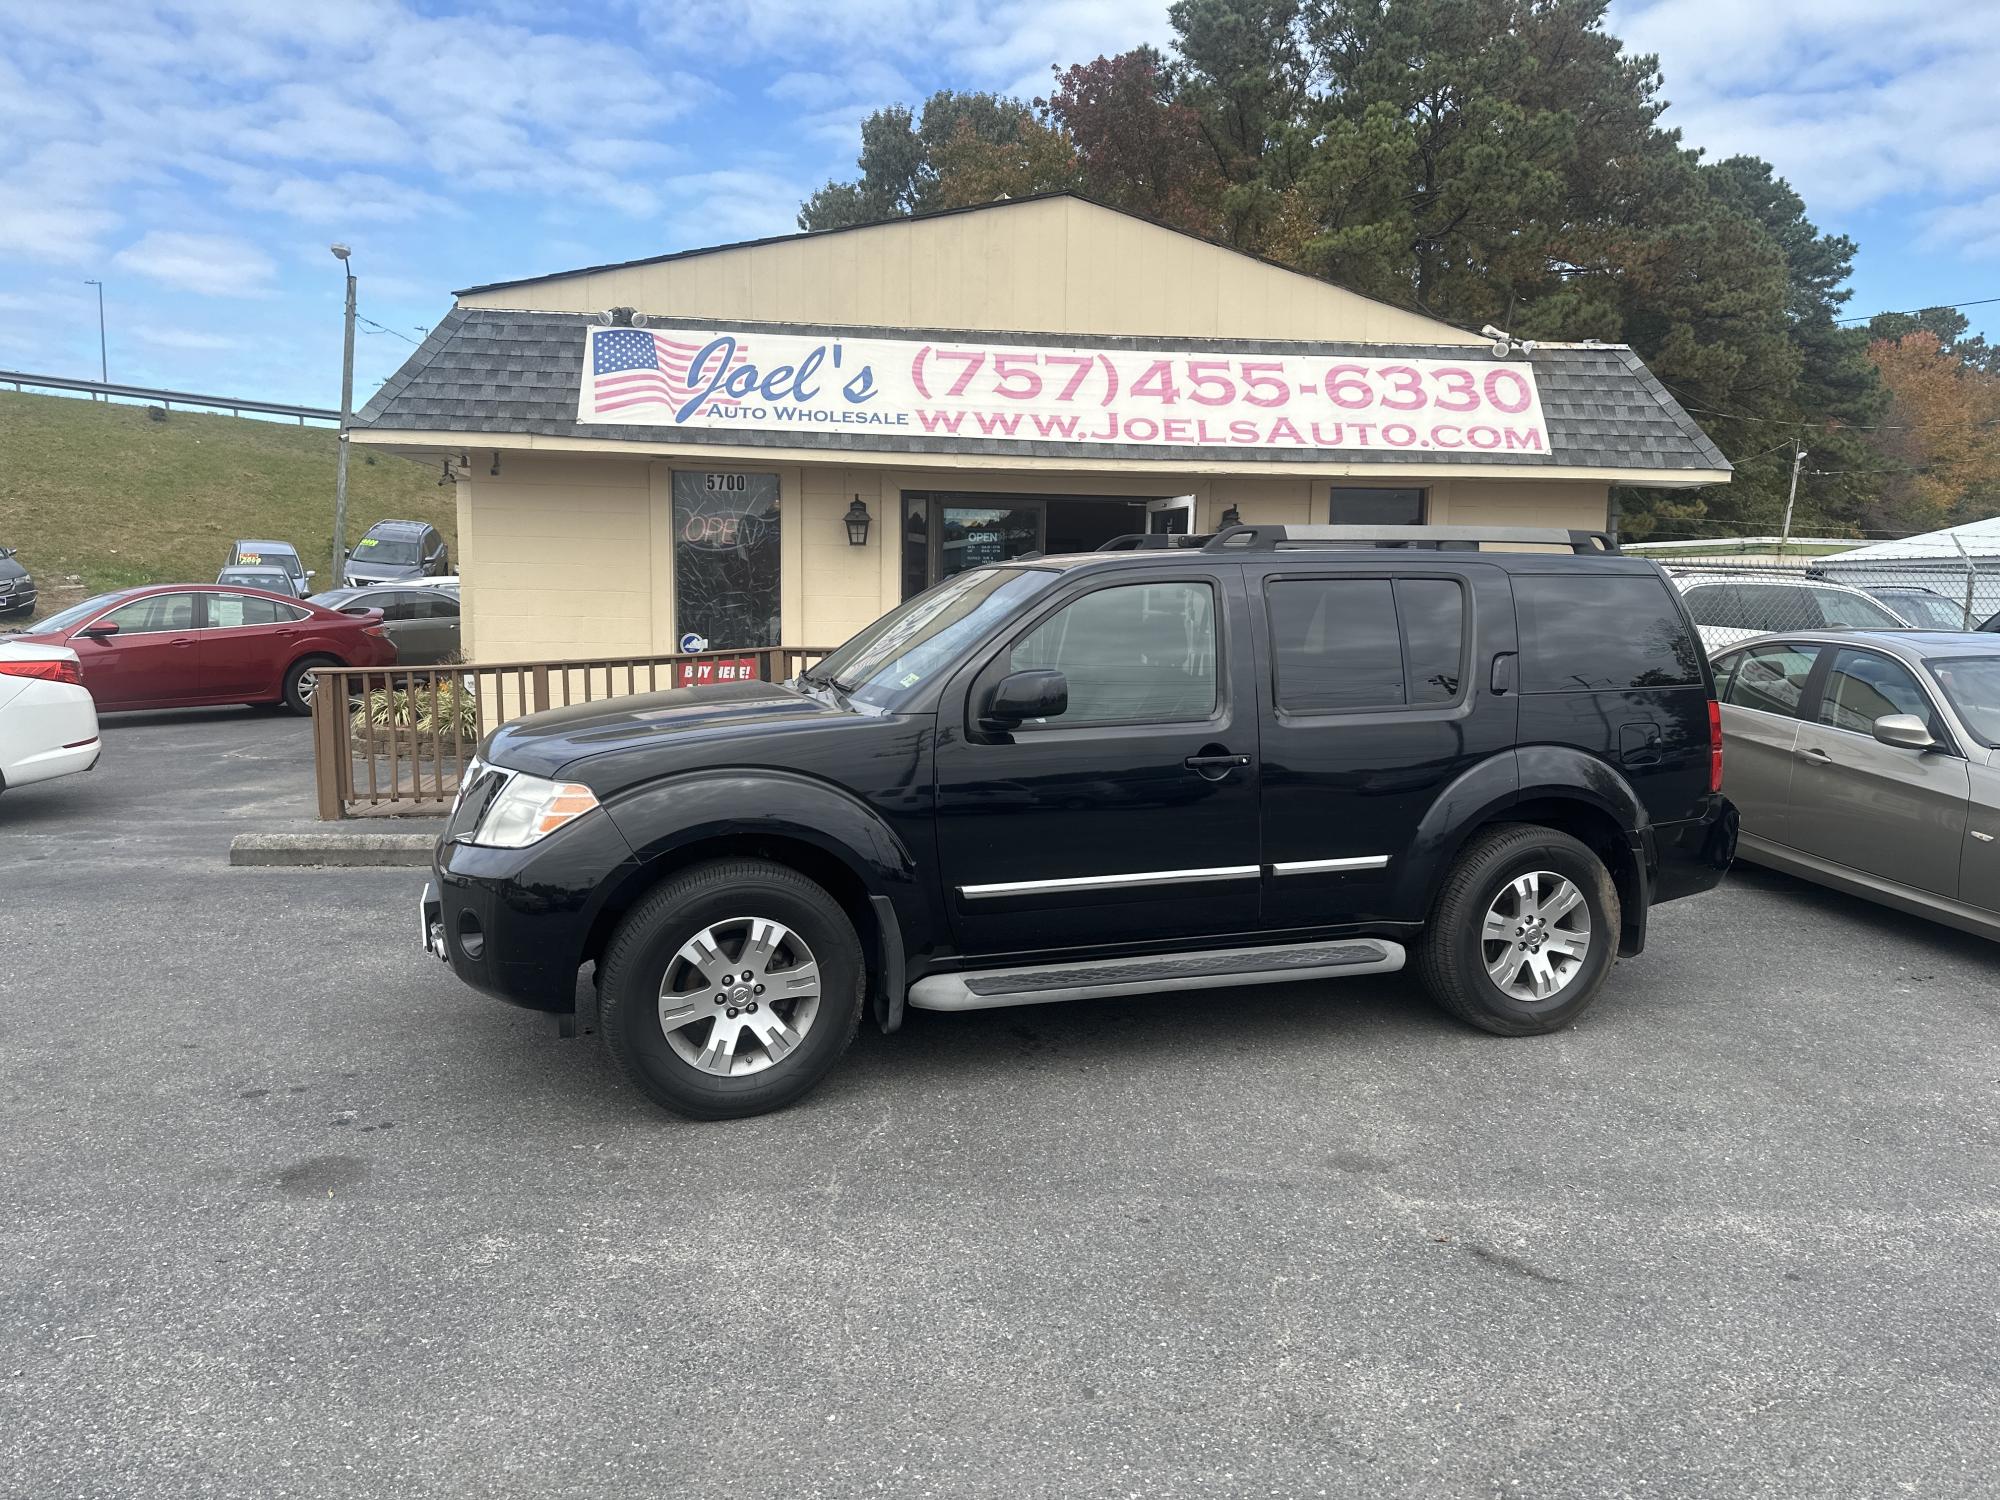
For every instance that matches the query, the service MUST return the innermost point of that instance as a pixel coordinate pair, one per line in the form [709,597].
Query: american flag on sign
[635,366]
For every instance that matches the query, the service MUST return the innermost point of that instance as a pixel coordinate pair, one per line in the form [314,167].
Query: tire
[647,979]
[297,695]
[1458,960]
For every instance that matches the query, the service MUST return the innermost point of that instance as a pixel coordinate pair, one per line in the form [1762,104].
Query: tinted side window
[1715,604]
[1862,687]
[1351,643]
[438,606]
[1592,632]
[1770,679]
[1432,611]
[401,606]
[1136,653]
[1777,606]
[1335,644]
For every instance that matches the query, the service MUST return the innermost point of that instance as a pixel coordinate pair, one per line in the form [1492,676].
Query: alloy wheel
[739,996]
[1536,937]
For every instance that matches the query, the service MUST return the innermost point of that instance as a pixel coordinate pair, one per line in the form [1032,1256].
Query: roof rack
[1432,538]
[1150,541]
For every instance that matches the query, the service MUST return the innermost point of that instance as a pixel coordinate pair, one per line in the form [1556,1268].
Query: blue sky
[199,157]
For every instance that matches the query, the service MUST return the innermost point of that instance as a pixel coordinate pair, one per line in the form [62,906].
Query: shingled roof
[486,371]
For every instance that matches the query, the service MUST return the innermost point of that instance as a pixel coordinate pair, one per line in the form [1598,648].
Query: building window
[726,561]
[1353,505]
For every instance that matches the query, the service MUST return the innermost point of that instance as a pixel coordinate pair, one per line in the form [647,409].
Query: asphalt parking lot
[291,1212]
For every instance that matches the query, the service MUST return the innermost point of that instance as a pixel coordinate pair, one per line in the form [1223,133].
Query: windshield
[256,578]
[910,645]
[251,554]
[1931,611]
[1973,685]
[76,614]
[1845,611]
[386,552]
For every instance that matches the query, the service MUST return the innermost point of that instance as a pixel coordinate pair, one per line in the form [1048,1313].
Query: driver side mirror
[103,630]
[1042,693]
[1905,732]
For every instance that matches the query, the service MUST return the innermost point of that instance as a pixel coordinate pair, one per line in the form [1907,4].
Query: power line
[379,328]
[1911,312]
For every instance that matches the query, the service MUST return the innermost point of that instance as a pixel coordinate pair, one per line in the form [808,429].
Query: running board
[1215,968]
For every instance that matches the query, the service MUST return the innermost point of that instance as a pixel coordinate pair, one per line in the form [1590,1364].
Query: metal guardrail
[395,740]
[235,404]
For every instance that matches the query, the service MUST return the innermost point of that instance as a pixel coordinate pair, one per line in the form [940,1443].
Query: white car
[1732,607]
[48,723]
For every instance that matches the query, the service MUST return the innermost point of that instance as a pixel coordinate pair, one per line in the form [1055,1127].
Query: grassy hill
[105,494]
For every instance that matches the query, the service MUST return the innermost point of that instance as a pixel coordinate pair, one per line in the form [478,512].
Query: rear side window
[1770,679]
[1340,644]
[227,611]
[1591,632]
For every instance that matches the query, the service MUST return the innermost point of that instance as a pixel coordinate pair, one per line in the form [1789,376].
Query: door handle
[1207,763]
[1816,755]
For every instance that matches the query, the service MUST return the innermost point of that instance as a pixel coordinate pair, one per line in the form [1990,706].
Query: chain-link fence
[1750,585]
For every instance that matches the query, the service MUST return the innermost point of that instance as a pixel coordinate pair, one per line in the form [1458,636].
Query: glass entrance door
[974,536]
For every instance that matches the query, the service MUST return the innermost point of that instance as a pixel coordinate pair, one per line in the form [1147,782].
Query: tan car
[1870,764]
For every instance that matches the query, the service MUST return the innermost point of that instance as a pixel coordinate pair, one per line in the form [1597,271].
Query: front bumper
[516,923]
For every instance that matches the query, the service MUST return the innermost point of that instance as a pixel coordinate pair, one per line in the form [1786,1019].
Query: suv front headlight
[529,809]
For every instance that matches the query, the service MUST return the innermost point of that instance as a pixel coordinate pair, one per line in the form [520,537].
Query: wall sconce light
[495,470]
[857,520]
[1231,517]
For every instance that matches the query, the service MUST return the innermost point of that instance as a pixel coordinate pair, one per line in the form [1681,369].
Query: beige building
[679,453]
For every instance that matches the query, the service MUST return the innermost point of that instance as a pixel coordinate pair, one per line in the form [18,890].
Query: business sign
[715,669]
[746,380]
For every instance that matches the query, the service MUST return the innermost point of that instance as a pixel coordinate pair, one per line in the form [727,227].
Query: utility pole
[1798,462]
[103,359]
[340,253]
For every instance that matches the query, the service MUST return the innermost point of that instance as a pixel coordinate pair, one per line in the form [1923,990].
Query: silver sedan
[1871,764]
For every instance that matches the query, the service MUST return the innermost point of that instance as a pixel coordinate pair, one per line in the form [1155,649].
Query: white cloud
[212,265]
[1856,102]
[719,207]
[370,111]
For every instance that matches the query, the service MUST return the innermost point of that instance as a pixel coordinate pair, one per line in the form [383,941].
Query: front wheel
[731,990]
[1524,932]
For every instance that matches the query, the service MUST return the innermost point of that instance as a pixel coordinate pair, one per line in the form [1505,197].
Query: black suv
[1280,754]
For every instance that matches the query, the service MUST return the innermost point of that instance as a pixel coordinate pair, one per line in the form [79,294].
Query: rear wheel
[731,990]
[1524,932]
[298,686]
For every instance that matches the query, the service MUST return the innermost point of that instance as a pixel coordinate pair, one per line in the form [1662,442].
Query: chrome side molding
[1102,882]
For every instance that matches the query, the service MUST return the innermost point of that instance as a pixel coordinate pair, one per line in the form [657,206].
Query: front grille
[477,788]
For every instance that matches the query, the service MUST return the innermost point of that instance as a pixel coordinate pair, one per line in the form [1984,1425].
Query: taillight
[45,671]
[1714,746]
[375,630]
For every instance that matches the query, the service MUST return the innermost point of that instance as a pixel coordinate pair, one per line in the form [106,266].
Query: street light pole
[1798,462]
[103,359]
[340,253]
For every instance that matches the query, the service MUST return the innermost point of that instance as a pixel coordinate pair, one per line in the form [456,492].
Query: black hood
[543,744]
[9,568]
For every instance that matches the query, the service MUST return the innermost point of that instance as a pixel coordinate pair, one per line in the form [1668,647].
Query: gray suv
[392,551]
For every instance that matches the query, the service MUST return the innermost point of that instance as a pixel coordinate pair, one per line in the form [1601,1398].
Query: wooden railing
[394,740]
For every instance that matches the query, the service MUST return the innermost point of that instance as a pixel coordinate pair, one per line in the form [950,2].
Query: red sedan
[175,645]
